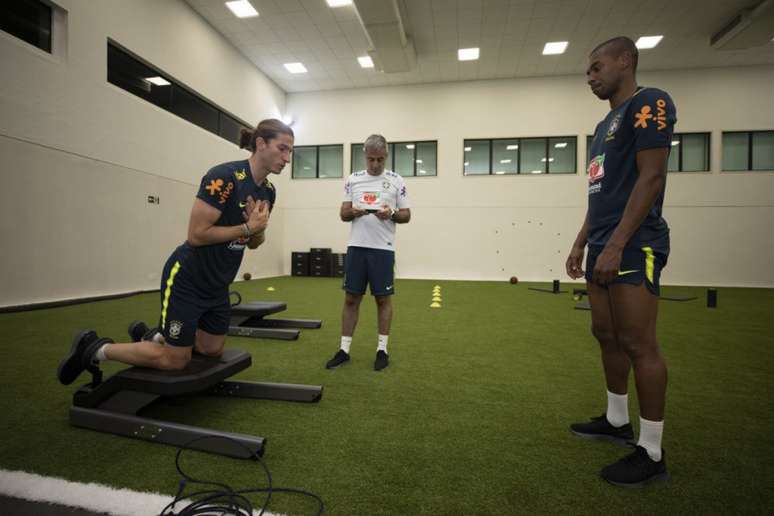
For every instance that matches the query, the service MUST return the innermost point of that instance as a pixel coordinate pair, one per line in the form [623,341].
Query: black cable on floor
[223,500]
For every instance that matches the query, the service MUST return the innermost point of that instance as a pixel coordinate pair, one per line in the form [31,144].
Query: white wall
[497,226]
[79,156]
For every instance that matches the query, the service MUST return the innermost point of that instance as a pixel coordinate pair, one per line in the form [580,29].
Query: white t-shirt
[372,192]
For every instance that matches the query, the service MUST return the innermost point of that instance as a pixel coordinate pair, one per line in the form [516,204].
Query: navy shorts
[184,308]
[637,265]
[366,266]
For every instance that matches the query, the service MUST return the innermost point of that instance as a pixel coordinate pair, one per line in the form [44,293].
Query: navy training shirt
[645,121]
[226,188]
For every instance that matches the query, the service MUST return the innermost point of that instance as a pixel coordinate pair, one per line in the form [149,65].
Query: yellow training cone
[435,305]
[437,287]
[437,299]
[270,289]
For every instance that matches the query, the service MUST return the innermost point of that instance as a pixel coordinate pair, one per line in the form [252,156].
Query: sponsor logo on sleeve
[641,118]
[661,114]
[214,186]
[240,175]
[646,113]
[224,195]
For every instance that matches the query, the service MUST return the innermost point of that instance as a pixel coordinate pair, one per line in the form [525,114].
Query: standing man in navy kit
[375,200]
[628,246]
[230,212]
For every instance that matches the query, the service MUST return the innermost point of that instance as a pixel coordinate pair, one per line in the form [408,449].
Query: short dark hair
[268,130]
[618,45]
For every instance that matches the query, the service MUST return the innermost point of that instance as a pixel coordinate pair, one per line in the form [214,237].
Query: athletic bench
[248,320]
[114,405]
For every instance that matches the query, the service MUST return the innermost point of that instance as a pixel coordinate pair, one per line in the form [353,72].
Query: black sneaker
[636,469]
[136,330]
[80,357]
[601,429]
[139,331]
[341,357]
[382,360]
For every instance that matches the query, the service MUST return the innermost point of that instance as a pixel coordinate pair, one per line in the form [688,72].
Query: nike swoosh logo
[242,204]
[624,273]
[389,288]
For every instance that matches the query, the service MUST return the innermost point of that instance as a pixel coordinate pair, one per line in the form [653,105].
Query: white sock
[617,409]
[382,343]
[100,354]
[650,437]
[346,342]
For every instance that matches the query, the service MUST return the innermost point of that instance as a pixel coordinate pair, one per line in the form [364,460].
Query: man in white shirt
[375,200]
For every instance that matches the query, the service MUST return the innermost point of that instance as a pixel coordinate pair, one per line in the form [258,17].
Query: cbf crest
[615,123]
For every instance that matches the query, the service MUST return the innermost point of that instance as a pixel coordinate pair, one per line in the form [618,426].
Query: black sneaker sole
[337,365]
[661,477]
[623,442]
[64,371]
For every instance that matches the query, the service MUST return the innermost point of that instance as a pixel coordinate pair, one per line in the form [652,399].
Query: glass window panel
[304,162]
[533,155]
[28,20]
[357,158]
[404,159]
[331,160]
[674,154]
[561,155]
[763,150]
[190,107]
[390,163]
[230,128]
[476,157]
[735,151]
[128,73]
[505,157]
[427,153]
[695,152]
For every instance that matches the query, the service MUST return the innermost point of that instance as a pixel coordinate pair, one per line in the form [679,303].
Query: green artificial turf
[471,416]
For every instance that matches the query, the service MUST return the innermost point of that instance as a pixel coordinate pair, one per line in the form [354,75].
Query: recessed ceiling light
[419,161]
[500,172]
[648,41]
[675,142]
[511,147]
[295,67]
[158,81]
[467,54]
[466,163]
[242,8]
[467,149]
[423,172]
[410,146]
[503,161]
[555,47]
[365,62]
[560,145]
[338,3]
[536,172]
